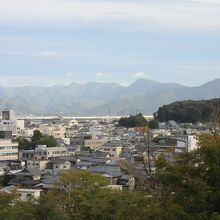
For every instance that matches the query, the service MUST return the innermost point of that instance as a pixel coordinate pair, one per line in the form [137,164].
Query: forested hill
[189,111]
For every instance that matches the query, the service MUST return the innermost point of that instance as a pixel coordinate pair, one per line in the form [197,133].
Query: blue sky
[47,42]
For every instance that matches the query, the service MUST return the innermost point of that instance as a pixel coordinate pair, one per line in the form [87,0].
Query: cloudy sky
[46,42]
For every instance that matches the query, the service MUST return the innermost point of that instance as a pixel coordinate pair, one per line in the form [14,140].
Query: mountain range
[101,98]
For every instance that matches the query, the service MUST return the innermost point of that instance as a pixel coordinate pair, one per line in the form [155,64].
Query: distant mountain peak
[95,98]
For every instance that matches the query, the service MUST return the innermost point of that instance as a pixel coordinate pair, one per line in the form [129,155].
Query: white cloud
[69,74]
[45,54]
[22,80]
[101,74]
[194,14]
[140,75]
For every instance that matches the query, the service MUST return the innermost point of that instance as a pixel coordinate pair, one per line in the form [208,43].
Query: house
[60,165]
[37,164]
[24,194]
[113,148]
[27,194]
[112,173]
[48,181]
[25,177]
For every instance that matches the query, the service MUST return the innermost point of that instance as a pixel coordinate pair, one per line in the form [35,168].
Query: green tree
[43,139]
[37,135]
[133,121]
[48,140]
[23,144]
[192,182]
[153,124]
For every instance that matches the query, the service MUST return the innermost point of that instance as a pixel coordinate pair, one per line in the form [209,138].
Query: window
[64,167]
[29,195]
[57,166]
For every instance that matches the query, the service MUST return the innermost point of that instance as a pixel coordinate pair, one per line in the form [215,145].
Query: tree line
[137,120]
[188,111]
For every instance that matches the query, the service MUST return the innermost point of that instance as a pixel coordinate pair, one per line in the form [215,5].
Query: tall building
[8,149]
[8,115]
[9,122]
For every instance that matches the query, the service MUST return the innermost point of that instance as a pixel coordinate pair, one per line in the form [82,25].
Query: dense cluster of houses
[98,146]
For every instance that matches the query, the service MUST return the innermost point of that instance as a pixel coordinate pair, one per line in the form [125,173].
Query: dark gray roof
[113,171]
[84,163]
[67,158]
[49,179]
[30,172]
[96,154]
[8,189]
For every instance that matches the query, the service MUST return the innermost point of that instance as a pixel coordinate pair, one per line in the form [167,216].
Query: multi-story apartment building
[8,149]
[42,152]
[95,143]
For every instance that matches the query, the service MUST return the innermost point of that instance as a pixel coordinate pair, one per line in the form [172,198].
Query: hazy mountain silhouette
[96,98]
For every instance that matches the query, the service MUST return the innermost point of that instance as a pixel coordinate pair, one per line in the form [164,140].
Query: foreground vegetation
[189,188]
[188,111]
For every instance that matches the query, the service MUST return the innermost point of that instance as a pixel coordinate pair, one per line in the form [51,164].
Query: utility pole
[148,150]
[109,113]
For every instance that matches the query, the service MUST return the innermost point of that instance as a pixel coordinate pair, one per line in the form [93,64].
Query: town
[33,152]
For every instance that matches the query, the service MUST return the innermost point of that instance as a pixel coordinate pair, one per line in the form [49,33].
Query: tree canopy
[188,111]
[133,121]
[37,139]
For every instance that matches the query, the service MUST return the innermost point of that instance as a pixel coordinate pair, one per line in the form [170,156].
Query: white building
[27,194]
[114,149]
[57,131]
[37,164]
[44,152]
[8,150]
[10,123]
[188,142]
[95,143]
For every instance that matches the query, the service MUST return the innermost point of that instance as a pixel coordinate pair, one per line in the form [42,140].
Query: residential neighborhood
[100,146]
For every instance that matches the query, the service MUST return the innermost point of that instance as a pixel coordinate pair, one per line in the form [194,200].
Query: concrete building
[8,149]
[10,123]
[113,148]
[188,142]
[42,152]
[38,164]
[59,165]
[57,131]
[95,143]
[27,194]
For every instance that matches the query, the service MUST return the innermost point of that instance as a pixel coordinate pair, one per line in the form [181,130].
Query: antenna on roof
[109,113]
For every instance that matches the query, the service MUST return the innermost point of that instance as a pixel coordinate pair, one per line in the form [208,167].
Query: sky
[48,42]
